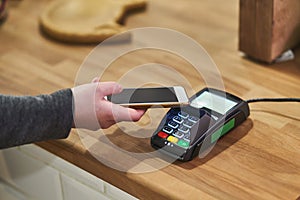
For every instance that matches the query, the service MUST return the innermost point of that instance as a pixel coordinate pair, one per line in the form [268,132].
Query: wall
[30,172]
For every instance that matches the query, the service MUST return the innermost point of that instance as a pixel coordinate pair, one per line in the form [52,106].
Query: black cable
[273,100]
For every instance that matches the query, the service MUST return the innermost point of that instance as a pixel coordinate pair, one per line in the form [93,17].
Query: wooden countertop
[258,160]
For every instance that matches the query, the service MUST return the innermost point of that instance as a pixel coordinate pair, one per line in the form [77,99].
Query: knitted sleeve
[28,119]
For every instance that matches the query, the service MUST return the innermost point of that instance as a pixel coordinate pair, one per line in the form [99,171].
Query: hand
[92,111]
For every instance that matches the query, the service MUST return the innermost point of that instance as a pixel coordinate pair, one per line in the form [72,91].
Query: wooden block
[267,28]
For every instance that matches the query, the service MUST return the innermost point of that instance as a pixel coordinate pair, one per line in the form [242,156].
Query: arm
[27,119]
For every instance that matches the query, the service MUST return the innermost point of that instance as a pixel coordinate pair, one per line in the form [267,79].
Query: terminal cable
[273,100]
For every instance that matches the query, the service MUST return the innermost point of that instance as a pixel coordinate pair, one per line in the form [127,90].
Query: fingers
[108,88]
[92,110]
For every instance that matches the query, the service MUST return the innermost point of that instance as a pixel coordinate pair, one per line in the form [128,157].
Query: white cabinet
[30,172]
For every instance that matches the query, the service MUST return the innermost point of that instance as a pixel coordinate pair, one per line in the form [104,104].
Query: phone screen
[145,95]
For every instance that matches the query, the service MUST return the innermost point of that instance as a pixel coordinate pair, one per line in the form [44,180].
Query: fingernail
[95,80]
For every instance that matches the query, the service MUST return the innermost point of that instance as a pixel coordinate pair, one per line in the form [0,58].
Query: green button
[183,143]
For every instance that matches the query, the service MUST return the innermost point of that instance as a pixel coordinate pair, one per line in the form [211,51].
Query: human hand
[92,111]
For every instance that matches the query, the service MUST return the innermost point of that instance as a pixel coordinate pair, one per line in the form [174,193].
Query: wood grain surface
[258,160]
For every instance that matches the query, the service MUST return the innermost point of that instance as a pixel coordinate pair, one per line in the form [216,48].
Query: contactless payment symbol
[112,146]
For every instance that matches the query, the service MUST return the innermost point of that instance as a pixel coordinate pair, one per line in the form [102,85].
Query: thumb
[121,113]
[95,80]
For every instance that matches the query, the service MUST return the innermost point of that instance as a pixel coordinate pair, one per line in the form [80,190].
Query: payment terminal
[184,132]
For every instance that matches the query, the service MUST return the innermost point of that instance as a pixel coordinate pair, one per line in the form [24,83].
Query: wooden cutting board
[86,21]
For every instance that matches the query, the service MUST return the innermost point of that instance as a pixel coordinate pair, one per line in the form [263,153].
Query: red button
[162,134]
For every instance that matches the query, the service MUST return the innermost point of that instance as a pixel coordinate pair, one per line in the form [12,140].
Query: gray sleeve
[28,119]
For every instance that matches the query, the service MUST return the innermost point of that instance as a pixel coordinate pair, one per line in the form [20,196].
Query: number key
[173,124]
[187,137]
[193,119]
[177,119]
[168,129]
[188,124]
[178,134]
[183,114]
[183,129]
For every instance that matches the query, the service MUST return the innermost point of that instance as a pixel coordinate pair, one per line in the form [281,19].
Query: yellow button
[172,139]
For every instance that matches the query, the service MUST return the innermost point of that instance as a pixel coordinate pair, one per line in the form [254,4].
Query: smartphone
[151,97]
[188,131]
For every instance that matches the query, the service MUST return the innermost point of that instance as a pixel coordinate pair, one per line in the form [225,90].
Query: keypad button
[173,124]
[178,134]
[188,124]
[183,143]
[183,114]
[187,137]
[183,129]
[172,139]
[168,129]
[162,134]
[193,119]
[177,119]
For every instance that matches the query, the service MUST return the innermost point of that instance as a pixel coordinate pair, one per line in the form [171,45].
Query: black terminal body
[184,132]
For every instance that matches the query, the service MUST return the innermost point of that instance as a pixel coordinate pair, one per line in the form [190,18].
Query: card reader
[184,132]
